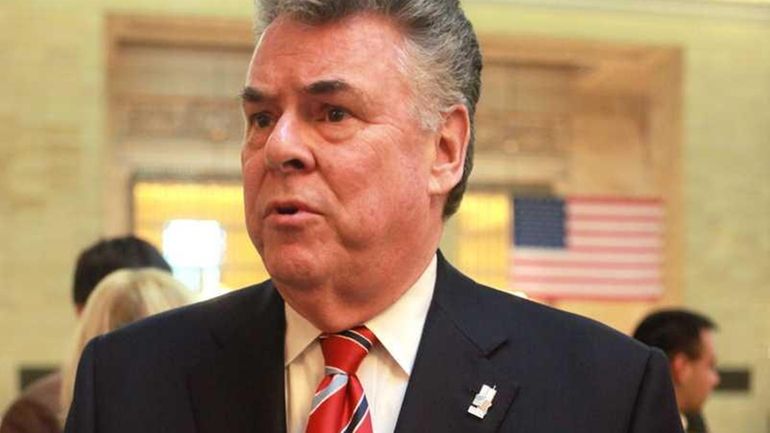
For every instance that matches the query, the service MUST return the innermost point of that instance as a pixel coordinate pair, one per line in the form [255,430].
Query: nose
[288,149]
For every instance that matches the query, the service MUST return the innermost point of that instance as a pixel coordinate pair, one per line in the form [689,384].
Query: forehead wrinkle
[330,74]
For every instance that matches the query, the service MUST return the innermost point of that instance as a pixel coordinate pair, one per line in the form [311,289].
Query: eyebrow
[250,94]
[322,87]
[327,86]
[336,86]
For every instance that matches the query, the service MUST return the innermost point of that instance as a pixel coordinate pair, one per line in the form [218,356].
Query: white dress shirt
[385,371]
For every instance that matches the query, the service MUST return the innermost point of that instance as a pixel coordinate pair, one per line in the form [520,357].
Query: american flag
[581,247]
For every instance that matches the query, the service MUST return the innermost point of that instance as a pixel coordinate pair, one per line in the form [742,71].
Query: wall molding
[757,10]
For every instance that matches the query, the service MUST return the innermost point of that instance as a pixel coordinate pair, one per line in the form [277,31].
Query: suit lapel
[455,358]
[240,387]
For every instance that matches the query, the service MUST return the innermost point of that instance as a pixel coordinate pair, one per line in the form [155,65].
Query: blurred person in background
[121,298]
[687,339]
[37,408]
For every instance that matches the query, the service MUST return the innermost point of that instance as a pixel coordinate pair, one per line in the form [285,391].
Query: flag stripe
[615,218]
[613,210]
[565,290]
[636,201]
[616,241]
[612,234]
[586,272]
[552,254]
[567,264]
[586,280]
[616,250]
[615,226]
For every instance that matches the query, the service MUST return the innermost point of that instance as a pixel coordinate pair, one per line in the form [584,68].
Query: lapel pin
[482,402]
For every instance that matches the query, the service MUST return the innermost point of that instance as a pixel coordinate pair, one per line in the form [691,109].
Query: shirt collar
[399,341]
[411,309]
[300,333]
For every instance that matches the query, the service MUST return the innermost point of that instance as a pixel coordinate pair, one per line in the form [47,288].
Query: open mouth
[287,210]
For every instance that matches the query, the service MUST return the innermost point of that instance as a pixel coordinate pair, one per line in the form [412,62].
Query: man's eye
[335,114]
[262,120]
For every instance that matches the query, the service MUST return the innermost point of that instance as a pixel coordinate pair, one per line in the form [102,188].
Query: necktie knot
[339,405]
[344,351]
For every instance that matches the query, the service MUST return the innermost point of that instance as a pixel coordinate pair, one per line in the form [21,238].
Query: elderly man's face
[338,181]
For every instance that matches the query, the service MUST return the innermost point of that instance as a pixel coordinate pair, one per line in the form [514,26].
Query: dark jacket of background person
[34,411]
[28,415]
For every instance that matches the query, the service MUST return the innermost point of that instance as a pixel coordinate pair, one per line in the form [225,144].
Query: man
[37,408]
[357,147]
[687,339]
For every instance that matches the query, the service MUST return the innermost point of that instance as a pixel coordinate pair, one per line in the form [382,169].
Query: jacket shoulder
[485,310]
[185,334]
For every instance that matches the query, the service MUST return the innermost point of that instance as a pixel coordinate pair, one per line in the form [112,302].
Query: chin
[293,269]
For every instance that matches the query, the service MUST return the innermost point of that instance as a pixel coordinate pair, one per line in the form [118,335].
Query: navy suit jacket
[218,367]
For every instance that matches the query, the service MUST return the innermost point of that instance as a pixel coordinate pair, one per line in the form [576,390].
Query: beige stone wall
[52,154]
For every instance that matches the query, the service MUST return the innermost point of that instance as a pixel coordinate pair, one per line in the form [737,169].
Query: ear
[680,368]
[450,148]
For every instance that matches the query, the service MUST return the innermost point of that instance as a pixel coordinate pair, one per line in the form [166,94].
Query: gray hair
[440,42]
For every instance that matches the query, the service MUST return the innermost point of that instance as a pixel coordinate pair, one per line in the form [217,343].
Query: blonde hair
[122,297]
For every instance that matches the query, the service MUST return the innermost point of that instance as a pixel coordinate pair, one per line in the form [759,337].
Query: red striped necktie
[339,404]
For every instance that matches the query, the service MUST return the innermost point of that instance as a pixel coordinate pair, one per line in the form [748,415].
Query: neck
[365,293]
